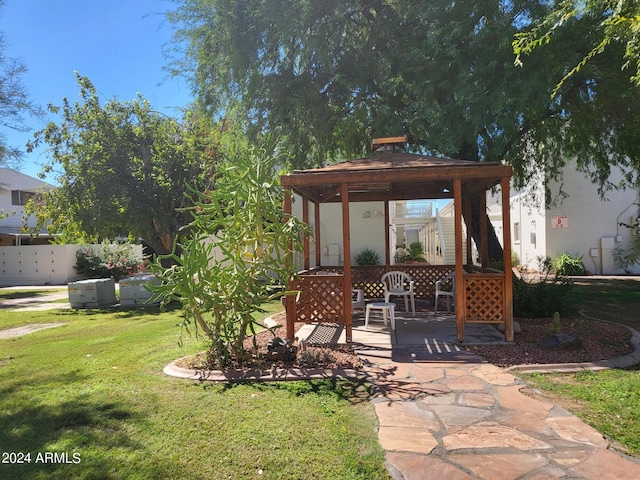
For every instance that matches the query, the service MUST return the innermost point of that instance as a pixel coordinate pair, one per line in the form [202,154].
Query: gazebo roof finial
[389,144]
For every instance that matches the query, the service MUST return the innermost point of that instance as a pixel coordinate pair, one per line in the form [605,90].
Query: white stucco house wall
[16,189]
[581,224]
[366,218]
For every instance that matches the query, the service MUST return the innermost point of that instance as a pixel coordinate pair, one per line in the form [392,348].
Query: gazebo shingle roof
[394,176]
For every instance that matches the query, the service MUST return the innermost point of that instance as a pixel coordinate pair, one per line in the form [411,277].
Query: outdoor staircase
[447,240]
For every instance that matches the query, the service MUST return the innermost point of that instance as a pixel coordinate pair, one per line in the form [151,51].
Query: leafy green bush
[416,252]
[515,259]
[541,297]
[367,257]
[627,257]
[106,260]
[567,264]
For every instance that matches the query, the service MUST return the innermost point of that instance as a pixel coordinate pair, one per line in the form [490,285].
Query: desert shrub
[107,260]
[567,264]
[315,356]
[367,257]
[221,293]
[535,297]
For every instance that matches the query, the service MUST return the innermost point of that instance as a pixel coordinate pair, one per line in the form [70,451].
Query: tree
[14,103]
[124,169]
[617,21]
[327,76]
[220,293]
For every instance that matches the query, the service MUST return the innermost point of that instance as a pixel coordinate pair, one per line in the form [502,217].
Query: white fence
[38,265]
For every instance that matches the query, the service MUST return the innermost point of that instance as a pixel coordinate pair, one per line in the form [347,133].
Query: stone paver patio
[445,413]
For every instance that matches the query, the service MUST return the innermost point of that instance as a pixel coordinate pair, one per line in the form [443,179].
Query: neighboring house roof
[13,180]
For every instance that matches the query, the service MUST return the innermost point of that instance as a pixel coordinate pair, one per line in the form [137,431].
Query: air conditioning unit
[92,293]
[133,290]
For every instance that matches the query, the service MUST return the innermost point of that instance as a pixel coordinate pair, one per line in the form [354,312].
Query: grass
[614,300]
[95,388]
[607,400]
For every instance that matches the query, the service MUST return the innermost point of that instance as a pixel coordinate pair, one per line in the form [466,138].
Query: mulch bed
[600,341]
[334,357]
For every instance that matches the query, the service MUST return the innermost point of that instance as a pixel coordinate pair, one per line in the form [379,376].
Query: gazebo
[482,294]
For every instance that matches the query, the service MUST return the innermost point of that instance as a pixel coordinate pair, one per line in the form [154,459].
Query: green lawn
[10,293]
[614,300]
[608,400]
[95,388]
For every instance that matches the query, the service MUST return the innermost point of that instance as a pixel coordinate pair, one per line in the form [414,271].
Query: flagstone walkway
[445,413]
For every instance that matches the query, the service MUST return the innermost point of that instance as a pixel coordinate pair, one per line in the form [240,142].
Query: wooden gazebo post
[305,241]
[484,245]
[459,300]
[346,242]
[387,234]
[506,260]
[316,236]
[289,300]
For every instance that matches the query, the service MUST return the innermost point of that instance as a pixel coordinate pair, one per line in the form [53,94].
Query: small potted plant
[416,252]
[367,257]
[413,254]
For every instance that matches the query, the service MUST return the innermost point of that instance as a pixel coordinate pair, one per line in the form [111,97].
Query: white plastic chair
[449,295]
[357,299]
[401,284]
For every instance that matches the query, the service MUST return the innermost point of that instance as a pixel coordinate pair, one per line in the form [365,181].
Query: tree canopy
[124,169]
[14,103]
[325,77]
[617,21]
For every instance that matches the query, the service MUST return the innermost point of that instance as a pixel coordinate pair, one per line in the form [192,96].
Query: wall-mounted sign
[559,221]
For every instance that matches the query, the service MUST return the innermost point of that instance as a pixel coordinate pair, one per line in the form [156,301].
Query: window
[21,197]
[516,232]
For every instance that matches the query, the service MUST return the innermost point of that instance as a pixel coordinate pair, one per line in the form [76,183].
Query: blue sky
[118,44]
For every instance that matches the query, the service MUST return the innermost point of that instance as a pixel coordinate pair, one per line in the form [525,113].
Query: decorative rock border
[255,375]
[624,361]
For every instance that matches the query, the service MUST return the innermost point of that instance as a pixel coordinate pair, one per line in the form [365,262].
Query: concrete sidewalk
[36,302]
[446,413]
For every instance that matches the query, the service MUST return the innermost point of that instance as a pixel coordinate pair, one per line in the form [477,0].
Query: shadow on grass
[81,432]
[352,390]
[127,312]
[18,295]
[614,300]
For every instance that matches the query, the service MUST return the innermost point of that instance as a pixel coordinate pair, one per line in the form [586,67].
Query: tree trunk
[494,247]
